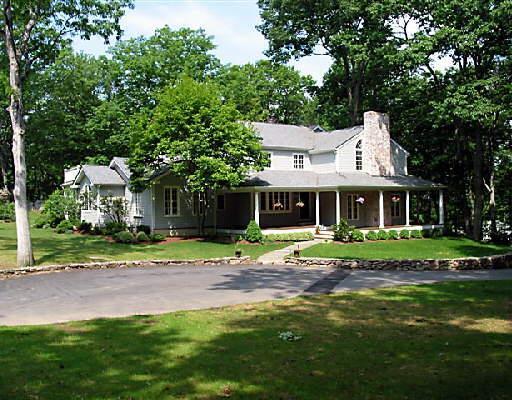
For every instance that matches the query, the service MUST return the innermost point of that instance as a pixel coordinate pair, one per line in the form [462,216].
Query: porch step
[324,235]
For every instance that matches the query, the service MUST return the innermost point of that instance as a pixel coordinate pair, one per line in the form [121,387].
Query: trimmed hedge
[372,235]
[289,237]
[124,237]
[416,234]
[405,234]
[142,237]
[156,237]
[392,234]
[357,236]
[382,235]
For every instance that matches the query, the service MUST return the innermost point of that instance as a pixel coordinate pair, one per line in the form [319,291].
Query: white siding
[346,156]
[324,162]
[282,160]
[398,159]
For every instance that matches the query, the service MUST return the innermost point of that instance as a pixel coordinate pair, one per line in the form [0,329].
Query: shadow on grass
[397,343]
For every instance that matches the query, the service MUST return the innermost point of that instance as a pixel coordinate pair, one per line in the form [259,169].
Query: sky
[232,23]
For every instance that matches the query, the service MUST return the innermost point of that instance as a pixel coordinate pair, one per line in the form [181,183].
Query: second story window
[298,161]
[359,155]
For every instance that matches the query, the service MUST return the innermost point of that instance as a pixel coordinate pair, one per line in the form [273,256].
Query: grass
[445,247]
[449,341]
[53,248]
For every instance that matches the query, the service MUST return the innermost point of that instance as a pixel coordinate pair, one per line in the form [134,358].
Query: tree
[33,33]
[267,91]
[199,138]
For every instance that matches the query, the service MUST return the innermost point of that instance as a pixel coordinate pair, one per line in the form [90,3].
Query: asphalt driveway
[87,294]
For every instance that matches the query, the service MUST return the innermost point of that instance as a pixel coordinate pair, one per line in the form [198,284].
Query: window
[137,203]
[395,206]
[275,202]
[298,161]
[352,207]
[359,155]
[221,202]
[86,198]
[269,159]
[171,201]
[198,204]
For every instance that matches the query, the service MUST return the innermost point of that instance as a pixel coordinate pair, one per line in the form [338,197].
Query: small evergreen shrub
[142,237]
[392,234]
[405,234]
[437,232]
[289,237]
[427,233]
[85,227]
[156,237]
[64,226]
[382,235]
[342,231]
[144,228]
[253,233]
[124,237]
[357,235]
[416,234]
[6,211]
[112,227]
[372,235]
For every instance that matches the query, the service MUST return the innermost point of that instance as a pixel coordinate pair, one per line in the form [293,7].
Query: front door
[304,211]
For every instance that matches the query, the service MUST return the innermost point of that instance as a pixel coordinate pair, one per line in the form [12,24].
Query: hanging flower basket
[277,206]
[300,204]
[361,200]
[395,198]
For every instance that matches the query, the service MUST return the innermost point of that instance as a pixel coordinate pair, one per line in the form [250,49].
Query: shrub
[405,234]
[392,234]
[437,232]
[289,237]
[116,208]
[342,231]
[6,211]
[156,237]
[64,226]
[112,227]
[59,205]
[96,230]
[427,233]
[85,227]
[253,233]
[124,237]
[41,221]
[382,235]
[357,235]
[416,234]
[144,228]
[372,235]
[142,237]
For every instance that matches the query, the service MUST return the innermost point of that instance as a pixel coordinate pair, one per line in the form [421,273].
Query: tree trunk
[478,189]
[16,111]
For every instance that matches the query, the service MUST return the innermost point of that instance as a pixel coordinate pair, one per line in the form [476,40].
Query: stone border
[15,272]
[473,263]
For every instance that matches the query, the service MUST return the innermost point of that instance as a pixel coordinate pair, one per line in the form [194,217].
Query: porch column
[257,207]
[441,207]
[407,202]
[381,209]
[338,206]
[317,208]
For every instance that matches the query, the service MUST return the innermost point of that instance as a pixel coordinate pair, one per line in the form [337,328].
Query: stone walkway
[278,256]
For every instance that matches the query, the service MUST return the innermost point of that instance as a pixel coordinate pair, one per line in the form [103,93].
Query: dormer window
[298,161]
[359,155]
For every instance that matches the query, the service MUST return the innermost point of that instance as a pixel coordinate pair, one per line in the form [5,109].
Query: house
[314,179]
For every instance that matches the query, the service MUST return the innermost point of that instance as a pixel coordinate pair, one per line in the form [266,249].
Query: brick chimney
[376,144]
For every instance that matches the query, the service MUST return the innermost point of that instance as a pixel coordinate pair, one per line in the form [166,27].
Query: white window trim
[137,204]
[178,209]
[299,156]
[359,153]
[268,207]
[354,196]
[199,197]
[270,157]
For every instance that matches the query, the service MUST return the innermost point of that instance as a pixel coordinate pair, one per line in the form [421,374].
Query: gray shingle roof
[102,175]
[309,179]
[123,165]
[301,137]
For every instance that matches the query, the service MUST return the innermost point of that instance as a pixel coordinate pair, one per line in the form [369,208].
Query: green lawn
[52,248]
[443,341]
[446,247]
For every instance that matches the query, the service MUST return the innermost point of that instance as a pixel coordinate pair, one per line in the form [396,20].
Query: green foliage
[393,234]
[371,235]
[143,228]
[357,236]
[124,237]
[64,226]
[342,231]
[85,227]
[6,211]
[142,237]
[382,235]
[437,232]
[416,234]
[405,234]
[253,233]
[113,227]
[289,237]
[156,237]
[60,203]
[115,208]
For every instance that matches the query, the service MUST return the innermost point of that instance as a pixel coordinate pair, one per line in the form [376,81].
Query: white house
[315,178]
